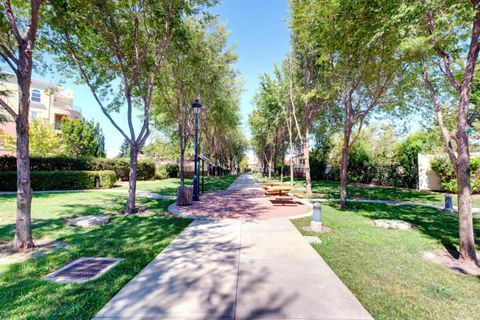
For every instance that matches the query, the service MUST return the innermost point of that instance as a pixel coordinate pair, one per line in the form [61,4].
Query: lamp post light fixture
[197,107]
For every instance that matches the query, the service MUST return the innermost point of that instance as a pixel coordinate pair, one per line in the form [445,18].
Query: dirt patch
[445,258]
[142,212]
[324,229]
[42,247]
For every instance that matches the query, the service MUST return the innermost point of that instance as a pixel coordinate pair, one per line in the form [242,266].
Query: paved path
[242,200]
[236,269]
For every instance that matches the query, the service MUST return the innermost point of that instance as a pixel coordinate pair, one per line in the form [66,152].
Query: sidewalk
[236,269]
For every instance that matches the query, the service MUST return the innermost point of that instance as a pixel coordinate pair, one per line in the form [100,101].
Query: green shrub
[161,173]
[145,171]
[171,170]
[444,169]
[60,180]
[318,164]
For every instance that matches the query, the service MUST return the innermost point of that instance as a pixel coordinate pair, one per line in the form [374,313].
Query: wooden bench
[283,198]
[299,195]
[273,192]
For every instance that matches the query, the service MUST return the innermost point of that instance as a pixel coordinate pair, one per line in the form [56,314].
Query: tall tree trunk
[467,240]
[23,231]
[132,180]
[283,166]
[306,155]
[182,163]
[347,130]
[291,155]
[270,169]
[343,175]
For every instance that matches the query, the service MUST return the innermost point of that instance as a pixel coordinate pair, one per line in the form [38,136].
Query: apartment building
[48,102]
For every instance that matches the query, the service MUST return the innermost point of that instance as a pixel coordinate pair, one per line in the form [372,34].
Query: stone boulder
[393,224]
[88,221]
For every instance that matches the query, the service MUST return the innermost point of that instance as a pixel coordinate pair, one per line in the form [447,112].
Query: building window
[33,115]
[36,95]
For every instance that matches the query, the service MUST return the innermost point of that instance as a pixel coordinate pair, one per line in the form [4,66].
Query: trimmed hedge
[60,180]
[145,171]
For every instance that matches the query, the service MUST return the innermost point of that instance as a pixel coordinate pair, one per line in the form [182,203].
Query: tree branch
[442,54]
[10,63]
[12,21]
[89,84]
[433,95]
[7,108]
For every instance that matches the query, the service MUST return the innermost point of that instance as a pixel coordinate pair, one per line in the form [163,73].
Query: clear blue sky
[259,31]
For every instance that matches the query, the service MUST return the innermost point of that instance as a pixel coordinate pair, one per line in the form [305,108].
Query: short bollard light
[97,182]
[316,223]
[448,204]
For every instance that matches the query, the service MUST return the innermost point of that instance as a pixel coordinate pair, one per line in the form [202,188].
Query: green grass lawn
[385,269]
[169,186]
[330,190]
[137,239]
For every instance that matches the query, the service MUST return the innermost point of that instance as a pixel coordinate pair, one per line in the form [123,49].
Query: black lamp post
[197,107]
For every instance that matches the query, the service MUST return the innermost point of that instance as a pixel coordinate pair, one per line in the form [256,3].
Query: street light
[197,107]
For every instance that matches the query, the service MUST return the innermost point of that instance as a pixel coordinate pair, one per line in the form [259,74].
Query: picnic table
[281,190]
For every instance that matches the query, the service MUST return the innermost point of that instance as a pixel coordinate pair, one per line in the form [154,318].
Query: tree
[267,122]
[118,49]
[350,60]
[124,149]
[200,67]
[444,38]
[17,42]
[44,140]
[82,138]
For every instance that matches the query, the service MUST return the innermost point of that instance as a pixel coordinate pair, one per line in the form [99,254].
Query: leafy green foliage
[121,167]
[444,169]
[200,66]
[44,140]
[60,180]
[82,138]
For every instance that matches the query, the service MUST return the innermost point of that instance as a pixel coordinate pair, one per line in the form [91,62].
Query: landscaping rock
[88,221]
[393,224]
[313,240]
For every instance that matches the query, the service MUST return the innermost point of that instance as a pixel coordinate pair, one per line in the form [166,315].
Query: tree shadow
[134,238]
[195,277]
[138,240]
[330,190]
[432,222]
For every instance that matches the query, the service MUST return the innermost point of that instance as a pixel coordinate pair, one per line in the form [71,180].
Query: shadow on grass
[434,223]
[136,239]
[329,189]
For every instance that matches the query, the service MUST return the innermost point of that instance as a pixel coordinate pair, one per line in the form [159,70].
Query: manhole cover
[83,270]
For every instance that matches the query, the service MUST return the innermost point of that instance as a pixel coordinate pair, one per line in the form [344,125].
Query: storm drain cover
[83,270]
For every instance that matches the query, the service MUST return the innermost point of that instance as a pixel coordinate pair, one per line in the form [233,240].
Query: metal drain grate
[83,270]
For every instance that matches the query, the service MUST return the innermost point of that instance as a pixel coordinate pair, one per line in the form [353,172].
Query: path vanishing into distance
[245,261]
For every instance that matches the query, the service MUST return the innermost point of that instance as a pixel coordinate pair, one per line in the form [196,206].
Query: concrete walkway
[236,269]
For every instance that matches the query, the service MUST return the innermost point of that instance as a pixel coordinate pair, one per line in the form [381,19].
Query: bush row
[444,169]
[146,168]
[60,180]
[165,171]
